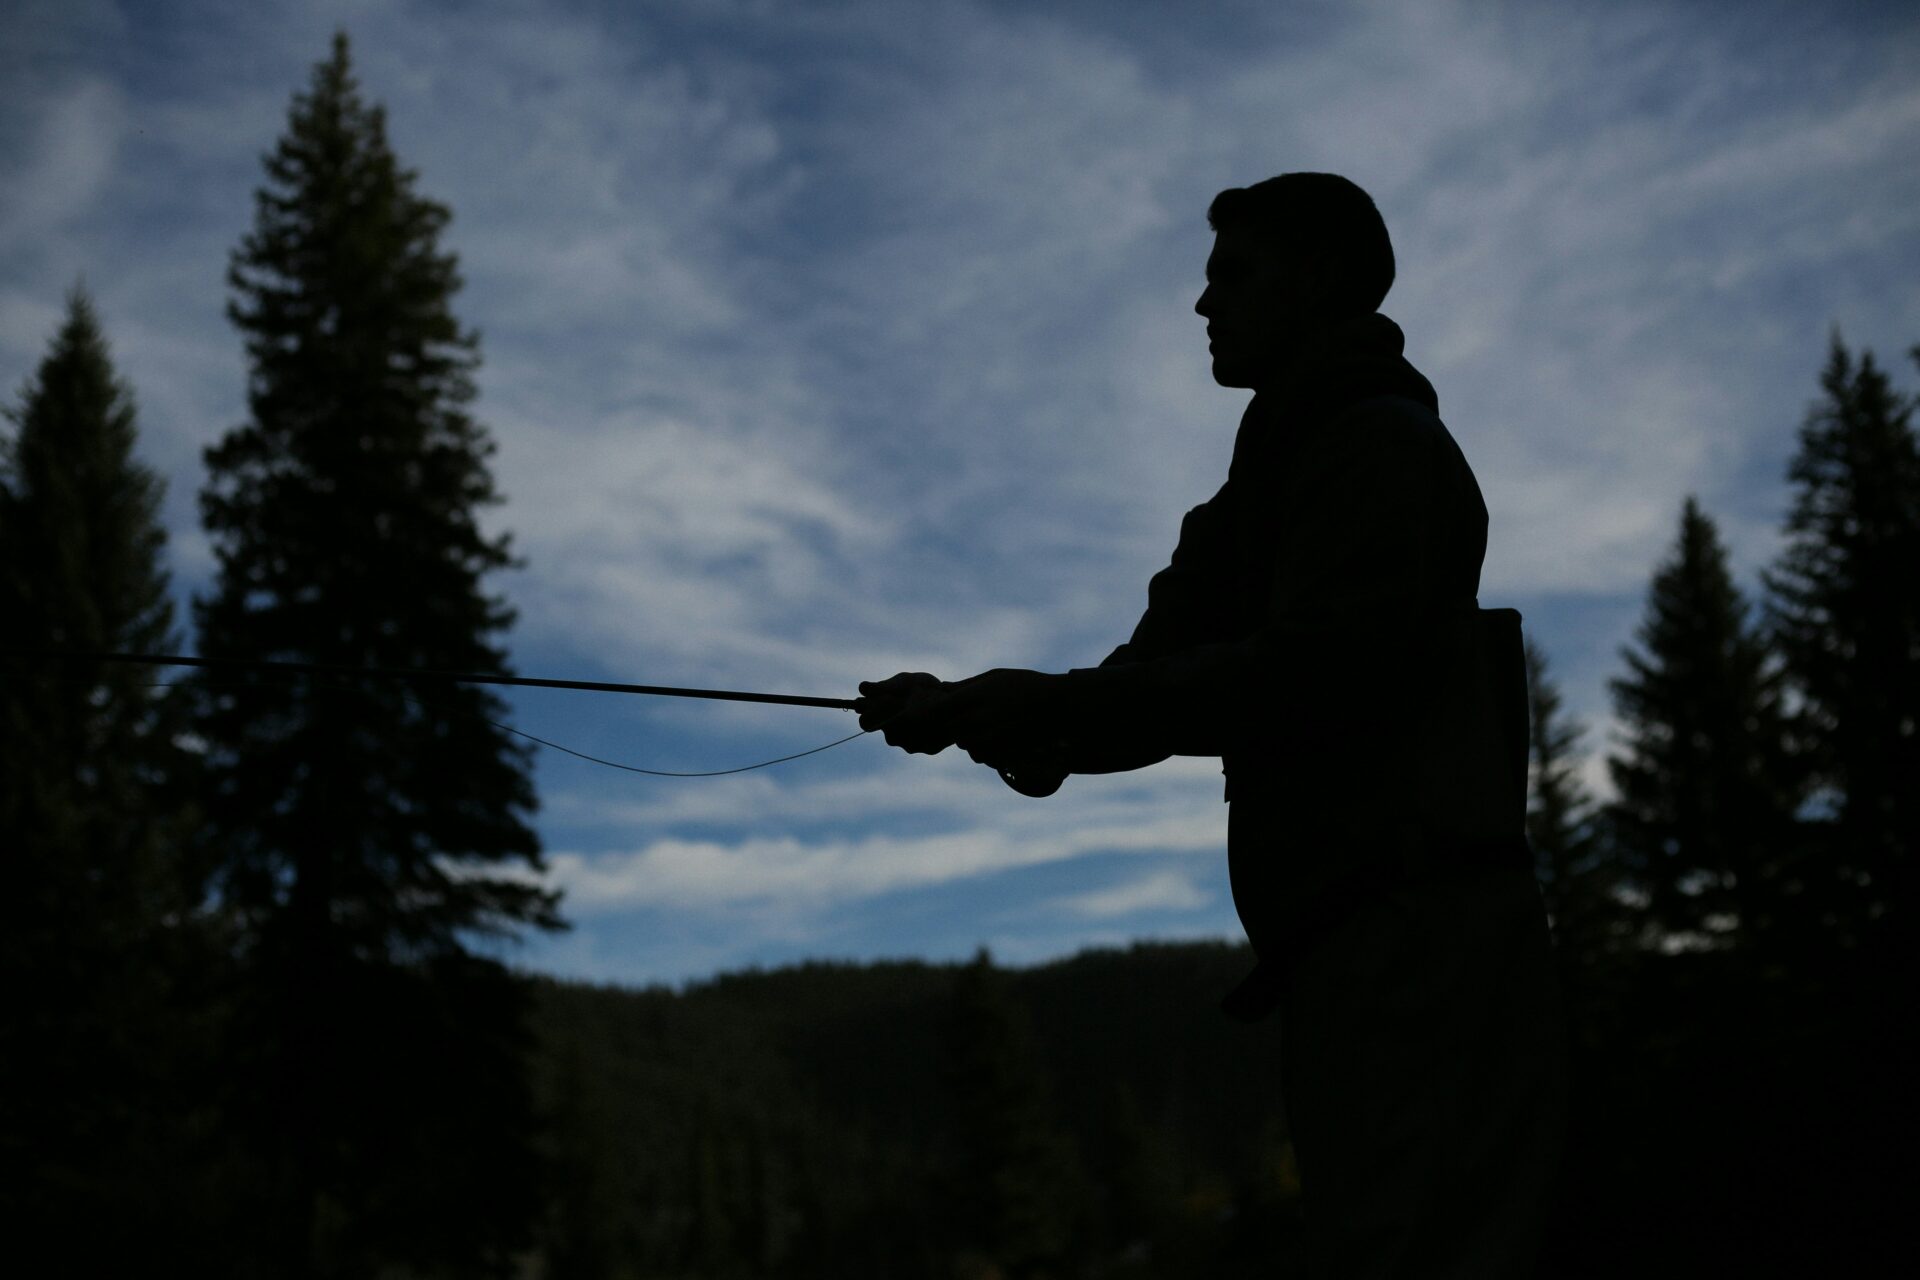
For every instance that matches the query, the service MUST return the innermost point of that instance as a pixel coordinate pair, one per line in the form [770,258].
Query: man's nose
[1203,304]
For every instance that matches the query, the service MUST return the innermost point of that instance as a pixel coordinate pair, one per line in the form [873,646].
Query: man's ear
[1316,277]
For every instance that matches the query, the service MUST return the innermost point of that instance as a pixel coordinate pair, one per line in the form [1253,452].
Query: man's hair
[1320,216]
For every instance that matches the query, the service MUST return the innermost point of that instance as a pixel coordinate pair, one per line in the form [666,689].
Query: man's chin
[1229,374]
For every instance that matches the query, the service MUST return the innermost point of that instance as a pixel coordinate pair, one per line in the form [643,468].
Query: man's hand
[1009,720]
[1037,774]
[883,705]
[1000,713]
[1004,718]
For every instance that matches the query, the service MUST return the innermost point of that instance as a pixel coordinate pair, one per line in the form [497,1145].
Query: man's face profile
[1257,304]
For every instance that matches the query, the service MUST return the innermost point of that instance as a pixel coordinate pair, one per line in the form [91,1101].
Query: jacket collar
[1354,360]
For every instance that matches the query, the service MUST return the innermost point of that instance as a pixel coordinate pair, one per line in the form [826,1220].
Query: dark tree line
[249,1031]
[896,1120]
[1734,921]
[258,1037]
[99,932]
[1763,781]
[362,833]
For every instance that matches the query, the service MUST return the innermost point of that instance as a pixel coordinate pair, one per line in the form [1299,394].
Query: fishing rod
[1044,788]
[460,677]
[463,677]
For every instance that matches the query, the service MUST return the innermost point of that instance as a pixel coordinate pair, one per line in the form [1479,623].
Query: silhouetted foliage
[99,930]
[1704,791]
[1016,1182]
[362,837]
[1580,882]
[1844,612]
[903,1120]
[1731,1104]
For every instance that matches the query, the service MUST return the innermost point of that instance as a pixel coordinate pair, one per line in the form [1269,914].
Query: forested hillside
[897,1119]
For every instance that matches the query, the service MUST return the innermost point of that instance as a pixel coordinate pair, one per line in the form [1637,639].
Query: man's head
[1292,256]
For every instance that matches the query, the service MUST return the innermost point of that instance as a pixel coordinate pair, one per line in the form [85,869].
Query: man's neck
[1320,337]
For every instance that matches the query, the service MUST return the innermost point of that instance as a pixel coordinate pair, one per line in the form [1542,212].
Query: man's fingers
[917,725]
[990,713]
[924,727]
[883,701]
[919,746]
[904,684]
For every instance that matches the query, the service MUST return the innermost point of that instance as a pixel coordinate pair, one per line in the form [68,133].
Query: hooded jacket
[1318,629]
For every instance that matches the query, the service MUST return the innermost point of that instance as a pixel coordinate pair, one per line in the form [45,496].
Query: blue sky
[828,340]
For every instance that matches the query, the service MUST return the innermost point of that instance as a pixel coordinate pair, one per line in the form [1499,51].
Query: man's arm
[1187,602]
[1348,621]
[1186,606]
[1346,632]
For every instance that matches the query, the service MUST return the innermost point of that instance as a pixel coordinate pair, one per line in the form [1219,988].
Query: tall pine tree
[1844,611]
[1577,878]
[363,837]
[1704,796]
[99,902]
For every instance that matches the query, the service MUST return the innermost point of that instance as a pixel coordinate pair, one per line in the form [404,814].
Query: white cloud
[946,791]
[791,871]
[67,162]
[877,353]
[702,491]
[27,324]
[1161,891]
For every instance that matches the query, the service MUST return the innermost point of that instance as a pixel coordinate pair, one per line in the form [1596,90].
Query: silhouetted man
[1318,629]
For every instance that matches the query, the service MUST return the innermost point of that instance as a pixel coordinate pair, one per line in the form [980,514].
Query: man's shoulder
[1392,415]
[1384,426]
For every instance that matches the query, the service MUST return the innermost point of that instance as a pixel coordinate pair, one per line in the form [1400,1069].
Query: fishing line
[634,768]
[611,764]
[666,773]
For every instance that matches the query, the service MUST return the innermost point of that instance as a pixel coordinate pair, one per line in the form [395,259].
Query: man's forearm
[1092,756]
[1193,703]
[1215,699]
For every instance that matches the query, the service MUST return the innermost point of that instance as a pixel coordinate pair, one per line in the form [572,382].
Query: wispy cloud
[824,342]
[1162,891]
[791,871]
[876,831]
[69,157]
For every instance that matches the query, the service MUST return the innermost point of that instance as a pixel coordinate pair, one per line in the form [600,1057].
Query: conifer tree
[1844,611]
[1018,1194]
[1704,794]
[1577,879]
[91,817]
[365,837]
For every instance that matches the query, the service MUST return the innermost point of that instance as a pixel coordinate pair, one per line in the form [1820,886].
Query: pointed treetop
[1843,610]
[74,412]
[82,325]
[333,78]
[78,511]
[79,336]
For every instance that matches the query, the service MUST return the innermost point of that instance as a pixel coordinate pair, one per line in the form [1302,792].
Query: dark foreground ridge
[1098,1116]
